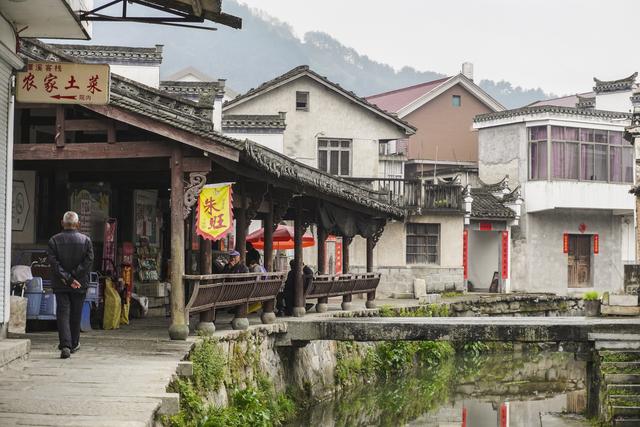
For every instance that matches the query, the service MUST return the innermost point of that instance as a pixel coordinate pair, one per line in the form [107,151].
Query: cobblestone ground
[118,378]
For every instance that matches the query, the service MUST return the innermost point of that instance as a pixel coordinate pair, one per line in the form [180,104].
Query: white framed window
[423,243]
[334,156]
[302,101]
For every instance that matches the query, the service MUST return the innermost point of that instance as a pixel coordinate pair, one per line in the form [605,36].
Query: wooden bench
[214,291]
[346,285]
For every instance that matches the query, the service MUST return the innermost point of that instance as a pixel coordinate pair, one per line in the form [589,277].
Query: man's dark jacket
[70,254]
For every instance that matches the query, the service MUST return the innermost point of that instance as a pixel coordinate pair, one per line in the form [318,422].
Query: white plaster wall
[274,141]
[330,115]
[545,195]
[484,257]
[148,75]
[547,269]
[391,248]
[616,101]
[502,150]
[628,241]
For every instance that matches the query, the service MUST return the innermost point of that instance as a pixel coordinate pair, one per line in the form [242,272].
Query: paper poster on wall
[91,203]
[23,207]
[146,215]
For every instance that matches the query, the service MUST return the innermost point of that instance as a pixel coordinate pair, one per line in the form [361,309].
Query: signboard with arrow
[63,83]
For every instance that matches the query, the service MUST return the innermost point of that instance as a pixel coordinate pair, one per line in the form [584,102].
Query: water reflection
[502,390]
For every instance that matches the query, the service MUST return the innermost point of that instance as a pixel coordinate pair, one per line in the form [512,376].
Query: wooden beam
[167,131]
[88,151]
[111,132]
[298,290]
[60,128]
[86,125]
[196,164]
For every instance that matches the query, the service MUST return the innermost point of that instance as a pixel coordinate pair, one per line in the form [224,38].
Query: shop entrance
[579,260]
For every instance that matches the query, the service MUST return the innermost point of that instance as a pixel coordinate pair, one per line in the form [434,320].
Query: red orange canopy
[282,238]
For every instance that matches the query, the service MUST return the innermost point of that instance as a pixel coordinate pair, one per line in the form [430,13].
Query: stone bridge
[514,329]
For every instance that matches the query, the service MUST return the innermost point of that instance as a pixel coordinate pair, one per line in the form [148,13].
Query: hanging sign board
[215,211]
[63,83]
[565,243]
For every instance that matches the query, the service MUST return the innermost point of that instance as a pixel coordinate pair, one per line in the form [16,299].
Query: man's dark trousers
[69,314]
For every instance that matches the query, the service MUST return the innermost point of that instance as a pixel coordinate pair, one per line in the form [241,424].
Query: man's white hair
[70,218]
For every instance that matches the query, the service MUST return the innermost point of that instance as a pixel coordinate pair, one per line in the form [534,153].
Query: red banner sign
[505,254]
[338,257]
[565,243]
[486,226]
[596,244]
[465,253]
[504,415]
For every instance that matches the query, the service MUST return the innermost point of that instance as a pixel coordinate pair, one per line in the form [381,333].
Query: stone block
[170,404]
[429,299]
[402,295]
[154,289]
[623,300]
[419,288]
[13,349]
[184,369]
[619,310]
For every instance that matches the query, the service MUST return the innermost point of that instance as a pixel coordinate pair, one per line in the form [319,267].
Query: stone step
[626,421]
[620,355]
[620,367]
[619,310]
[623,389]
[613,336]
[622,378]
[625,411]
[624,400]
[13,350]
[617,345]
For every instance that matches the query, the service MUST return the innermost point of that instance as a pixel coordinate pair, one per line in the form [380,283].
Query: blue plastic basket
[48,307]
[33,293]
[92,293]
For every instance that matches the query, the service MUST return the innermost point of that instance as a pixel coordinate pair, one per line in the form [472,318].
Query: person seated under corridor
[285,299]
[235,265]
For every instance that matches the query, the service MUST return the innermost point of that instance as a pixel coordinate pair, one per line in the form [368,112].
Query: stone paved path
[118,378]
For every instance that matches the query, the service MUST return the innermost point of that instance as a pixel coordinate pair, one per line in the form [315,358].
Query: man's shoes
[76,348]
[65,353]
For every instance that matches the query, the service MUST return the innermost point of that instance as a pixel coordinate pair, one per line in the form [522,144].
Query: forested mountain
[266,47]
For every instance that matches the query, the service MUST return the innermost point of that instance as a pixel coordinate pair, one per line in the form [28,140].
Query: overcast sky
[559,45]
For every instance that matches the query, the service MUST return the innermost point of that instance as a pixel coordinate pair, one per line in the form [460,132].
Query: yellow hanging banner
[215,211]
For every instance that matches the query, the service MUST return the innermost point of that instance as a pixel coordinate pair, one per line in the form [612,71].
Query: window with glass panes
[334,156]
[423,243]
[579,154]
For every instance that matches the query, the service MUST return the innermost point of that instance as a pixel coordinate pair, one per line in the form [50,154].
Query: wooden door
[579,261]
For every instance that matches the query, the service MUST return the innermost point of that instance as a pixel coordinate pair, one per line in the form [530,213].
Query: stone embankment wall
[518,306]
[631,279]
[399,280]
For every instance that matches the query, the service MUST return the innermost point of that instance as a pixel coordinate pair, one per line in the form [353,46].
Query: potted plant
[591,304]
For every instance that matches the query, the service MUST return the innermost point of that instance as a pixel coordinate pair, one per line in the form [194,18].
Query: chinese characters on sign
[63,83]
[505,254]
[215,215]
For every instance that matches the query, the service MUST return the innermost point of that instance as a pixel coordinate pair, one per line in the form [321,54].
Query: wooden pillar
[346,299]
[371,296]
[298,292]
[178,329]
[267,226]
[323,302]
[268,307]
[206,325]
[241,226]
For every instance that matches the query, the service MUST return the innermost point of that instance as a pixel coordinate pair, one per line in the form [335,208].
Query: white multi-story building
[574,170]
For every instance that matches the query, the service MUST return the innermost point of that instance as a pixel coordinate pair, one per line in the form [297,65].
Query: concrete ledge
[619,310]
[12,349]
[624,300]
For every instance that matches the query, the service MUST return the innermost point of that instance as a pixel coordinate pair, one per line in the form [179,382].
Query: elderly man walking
[70,254]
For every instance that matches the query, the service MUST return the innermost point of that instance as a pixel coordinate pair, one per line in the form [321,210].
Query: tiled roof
[486,206]
[393,101]
[253,121]
[563,101]
[524,111]
[147,101]
[202,92]
[113,54]
[304,69]
[615,85]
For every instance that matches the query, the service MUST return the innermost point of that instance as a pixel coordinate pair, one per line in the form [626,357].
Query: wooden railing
[346,285]
[414,193]
[214,291]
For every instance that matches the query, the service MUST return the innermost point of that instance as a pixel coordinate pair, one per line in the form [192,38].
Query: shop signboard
[63,83]
[215,211]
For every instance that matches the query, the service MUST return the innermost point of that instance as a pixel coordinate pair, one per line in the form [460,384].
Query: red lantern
[565,243]
[596,244]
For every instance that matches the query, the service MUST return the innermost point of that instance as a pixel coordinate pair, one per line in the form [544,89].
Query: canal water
[523,389]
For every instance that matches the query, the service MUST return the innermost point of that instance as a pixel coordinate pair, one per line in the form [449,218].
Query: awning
[57,21]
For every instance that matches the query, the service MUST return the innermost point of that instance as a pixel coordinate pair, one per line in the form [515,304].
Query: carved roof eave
[253,122]
[119,54]
[281,167]
[615,85]
[553,109]
[501,185]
